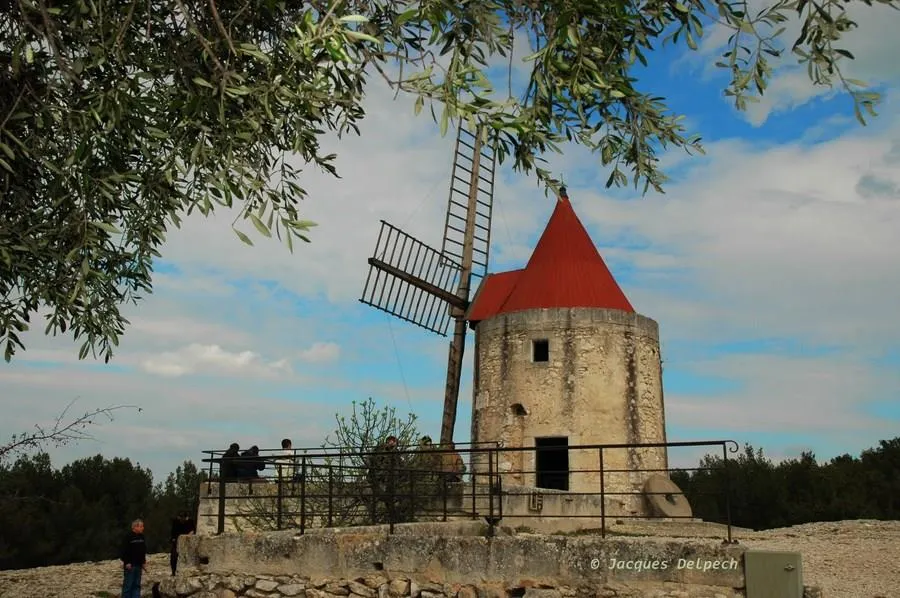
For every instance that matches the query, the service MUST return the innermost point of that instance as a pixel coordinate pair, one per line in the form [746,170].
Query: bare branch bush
[65,429]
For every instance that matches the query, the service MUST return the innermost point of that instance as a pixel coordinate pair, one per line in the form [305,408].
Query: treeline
[81,512]
[766,495]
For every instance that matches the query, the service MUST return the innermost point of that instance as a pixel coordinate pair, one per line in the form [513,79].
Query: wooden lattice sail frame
[429,288]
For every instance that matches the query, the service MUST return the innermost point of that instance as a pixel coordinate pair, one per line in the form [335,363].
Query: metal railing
[345,487]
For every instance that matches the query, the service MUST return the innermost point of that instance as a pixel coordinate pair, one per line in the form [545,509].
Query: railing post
[491,522]
[602,497]
[443,480]
[727,490]
[474,491]
[220,524]
[303,494]
[500,495]
[279,503]
[330,496]
[411,500]
[212,455]
[392,492]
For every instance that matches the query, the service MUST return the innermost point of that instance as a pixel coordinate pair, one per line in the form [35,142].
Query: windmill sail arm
[429,288]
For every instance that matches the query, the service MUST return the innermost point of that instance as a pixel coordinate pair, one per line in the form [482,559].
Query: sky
[771,264]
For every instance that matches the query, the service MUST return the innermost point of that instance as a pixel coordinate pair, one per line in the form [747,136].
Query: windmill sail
[410,280]
[464,164]
[417,283]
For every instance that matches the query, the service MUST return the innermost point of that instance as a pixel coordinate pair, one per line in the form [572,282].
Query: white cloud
[783,393]
[789,241]
[874,46]
[180,328]
[198,358]
[321,353]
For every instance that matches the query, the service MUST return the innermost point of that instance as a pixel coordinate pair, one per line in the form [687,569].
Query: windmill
[429,288]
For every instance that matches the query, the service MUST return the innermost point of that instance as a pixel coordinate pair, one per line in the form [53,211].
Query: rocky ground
[848,559]
[81,580]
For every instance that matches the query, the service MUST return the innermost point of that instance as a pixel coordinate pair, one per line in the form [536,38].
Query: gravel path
[847,559]
[80,580]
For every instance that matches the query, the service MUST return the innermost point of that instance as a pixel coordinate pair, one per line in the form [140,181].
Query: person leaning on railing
[286,463]
[383,467]
[250,464]
[426,465]
[228,467]
[453,465]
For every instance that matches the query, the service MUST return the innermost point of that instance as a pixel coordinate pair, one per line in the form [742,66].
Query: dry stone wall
[846,559]
[383,586]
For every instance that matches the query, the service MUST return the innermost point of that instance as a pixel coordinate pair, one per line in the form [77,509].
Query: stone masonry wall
[602,385]
[383,586]
[443,559]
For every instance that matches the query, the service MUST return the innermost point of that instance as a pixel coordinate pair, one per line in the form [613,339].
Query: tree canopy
[119,118]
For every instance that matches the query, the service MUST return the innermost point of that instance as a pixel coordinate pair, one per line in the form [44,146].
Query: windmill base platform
[545,511]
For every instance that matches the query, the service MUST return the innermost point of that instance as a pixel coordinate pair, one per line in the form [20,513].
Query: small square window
[540,351]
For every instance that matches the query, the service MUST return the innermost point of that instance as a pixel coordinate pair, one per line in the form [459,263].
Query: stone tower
[563,359]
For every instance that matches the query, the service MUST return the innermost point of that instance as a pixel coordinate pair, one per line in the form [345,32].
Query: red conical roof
[565,270]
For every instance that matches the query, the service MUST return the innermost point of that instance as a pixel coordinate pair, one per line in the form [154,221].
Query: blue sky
[771,264]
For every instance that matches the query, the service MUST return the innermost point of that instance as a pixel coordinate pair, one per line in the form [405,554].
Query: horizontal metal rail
[327,487]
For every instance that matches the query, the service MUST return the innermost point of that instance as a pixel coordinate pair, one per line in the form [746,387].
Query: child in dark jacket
[134,560]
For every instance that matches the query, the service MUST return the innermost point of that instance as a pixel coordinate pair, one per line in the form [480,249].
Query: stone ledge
[559,560]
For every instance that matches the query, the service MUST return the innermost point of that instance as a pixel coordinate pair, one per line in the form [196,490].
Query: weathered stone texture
[438,590]
[849,559]
[601,385]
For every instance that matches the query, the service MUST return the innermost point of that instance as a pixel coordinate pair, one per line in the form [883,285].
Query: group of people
[396,478]
[399,478]
[134,552]
[247,465]
[426,459]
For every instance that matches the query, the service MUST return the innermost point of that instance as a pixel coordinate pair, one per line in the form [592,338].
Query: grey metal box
[773,574]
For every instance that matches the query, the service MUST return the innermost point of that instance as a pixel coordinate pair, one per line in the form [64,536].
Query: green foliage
[764,495]
[119,118]
[368,425]
[82,511]
[365,428]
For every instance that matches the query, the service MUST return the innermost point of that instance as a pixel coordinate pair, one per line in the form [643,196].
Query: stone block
[398,588]
[361,589]
[291,589]
[185,586]
[266,585]
[468,592]
[373,581]
[337,589]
